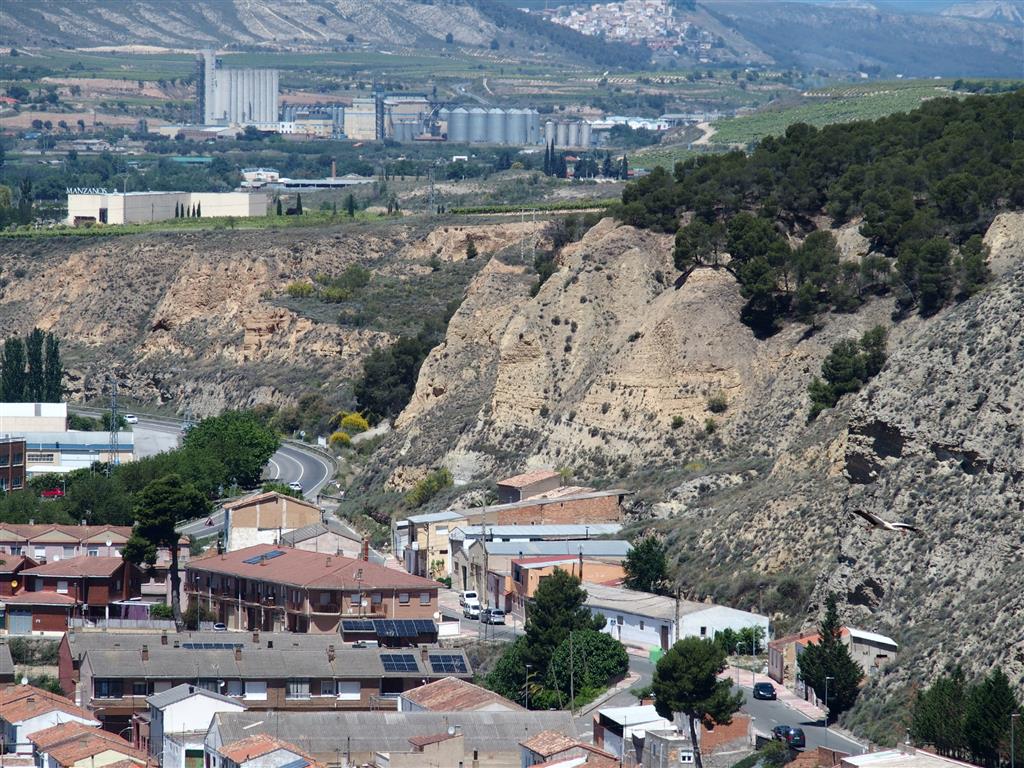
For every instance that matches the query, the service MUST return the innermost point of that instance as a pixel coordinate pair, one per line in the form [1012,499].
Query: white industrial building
[645,620]
[140,207]
[237,96]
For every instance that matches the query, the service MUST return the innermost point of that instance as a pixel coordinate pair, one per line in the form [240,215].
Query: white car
[468,596]
[471,610]
[131,418]
[294,486]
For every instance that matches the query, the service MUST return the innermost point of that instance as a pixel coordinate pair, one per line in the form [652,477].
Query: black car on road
[764,691]
[794,737]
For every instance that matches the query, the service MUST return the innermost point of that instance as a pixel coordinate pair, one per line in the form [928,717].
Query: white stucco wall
[715,618]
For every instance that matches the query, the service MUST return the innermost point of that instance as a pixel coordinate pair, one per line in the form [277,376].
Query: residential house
[667,748]
[173,730]
[260,751]
[553,748]
[491,561]
[84,587]
[67,746]
[444,748]
[11,567]
[76,644]
[331,536]
[527,485]
[620,730]
[528,572]
[427,535]
[25,709]
[452,694]
[870,650]
[489,739]
[263,518]
[270,588]
[117,683]
[645,620]
[462,537]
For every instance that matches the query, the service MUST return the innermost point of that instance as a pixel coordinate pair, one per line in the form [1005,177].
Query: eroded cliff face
[200,316]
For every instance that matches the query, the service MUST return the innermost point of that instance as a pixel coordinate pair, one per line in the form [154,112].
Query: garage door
[19,621]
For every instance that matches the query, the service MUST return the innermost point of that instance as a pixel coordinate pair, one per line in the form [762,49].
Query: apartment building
[279,589]
[263,518]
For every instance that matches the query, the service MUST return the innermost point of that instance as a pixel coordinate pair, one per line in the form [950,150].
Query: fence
[155,624]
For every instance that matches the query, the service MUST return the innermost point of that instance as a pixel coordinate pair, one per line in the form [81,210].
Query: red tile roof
[256,746]
[21,702]
[528,478]
[434,738]
[547,743]
[95,742]
[300,568]
[57,734]
[543,559]
[259,498]
[41,598]
[88,567]
[450,694]
[80,533]
[11,563]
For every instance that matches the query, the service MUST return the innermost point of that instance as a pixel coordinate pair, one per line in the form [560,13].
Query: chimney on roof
[423,654]
[263,559]
[330,652]
[238,653]
[328,561]
[145,653]
[256,636]
[163,637]
[191,689]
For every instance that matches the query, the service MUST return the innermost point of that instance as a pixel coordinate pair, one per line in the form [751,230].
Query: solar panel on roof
[211,646]
[255,559]
[425,627]
[398,662]
[447,662]
[356,625]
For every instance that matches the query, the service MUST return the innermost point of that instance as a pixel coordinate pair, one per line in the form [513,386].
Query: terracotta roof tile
[93,743]
[88,567]
[11,563]
[56,734]
[450,694]
[257,746]
[21,702]
[434,738]
[300,568]
[547,743]
[40,598]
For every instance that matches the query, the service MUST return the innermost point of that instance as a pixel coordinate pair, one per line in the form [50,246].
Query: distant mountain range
[915,38]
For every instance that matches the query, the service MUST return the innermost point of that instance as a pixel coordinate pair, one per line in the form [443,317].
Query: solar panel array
[390,627]
[255,559]
[399,662]
[447,662]
[211,646]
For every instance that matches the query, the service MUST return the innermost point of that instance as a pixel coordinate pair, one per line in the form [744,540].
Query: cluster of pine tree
[925,186]
[32,370]
[968,722]
[182,211]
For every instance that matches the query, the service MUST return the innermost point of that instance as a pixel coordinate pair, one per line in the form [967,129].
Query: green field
[842,104]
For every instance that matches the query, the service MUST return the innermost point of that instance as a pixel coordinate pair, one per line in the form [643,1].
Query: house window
[298,688]
[69,551]
[16,482]
[441,530]
[17,549]
[40,458]
[5,459]
[618,620]
[686,758]
[703,631]
[37,582]
[376,598]
[235,688]
[141,688]
[641,624]
[403,598]
[62,587]
[328,688]
[108,689]
[40,552]
[348,690]
[256,690]
[209,684]
[424,598]
[94,551]
[19,459]
[353,598]
[325,598]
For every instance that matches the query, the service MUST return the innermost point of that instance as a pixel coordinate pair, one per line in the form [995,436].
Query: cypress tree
[199,210]
[35,380]
[176,209]
[350,204]
[13,375]
[53,370]
[624,173]
[298,204]
[279,206]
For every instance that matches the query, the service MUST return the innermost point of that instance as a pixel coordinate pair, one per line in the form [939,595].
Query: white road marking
[277,470]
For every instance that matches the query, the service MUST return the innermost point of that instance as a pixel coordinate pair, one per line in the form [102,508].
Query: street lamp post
[827,710]
[528,667]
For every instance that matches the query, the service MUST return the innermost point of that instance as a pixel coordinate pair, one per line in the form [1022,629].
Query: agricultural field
[842,104]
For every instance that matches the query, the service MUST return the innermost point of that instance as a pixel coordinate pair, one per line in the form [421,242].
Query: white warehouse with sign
[102,207]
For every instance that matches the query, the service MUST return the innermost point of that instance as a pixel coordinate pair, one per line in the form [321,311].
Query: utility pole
[113,423]
[528,667]
[827,678]
[572,682]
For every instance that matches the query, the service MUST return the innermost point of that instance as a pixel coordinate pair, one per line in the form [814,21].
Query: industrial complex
[103,207]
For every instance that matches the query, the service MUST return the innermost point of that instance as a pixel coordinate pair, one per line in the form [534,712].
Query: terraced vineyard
[842,104]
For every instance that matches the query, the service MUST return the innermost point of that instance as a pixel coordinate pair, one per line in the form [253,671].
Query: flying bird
[875,521]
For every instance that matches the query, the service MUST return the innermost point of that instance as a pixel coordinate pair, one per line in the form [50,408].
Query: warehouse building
[140,207]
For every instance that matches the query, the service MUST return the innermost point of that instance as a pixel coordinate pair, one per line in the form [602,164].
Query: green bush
[340,439]
[717,403]
[299,289]
[677,421]
[429,487]
[160,611]
[354,423]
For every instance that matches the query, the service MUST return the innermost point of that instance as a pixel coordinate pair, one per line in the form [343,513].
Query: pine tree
[938,715]
[987,718]
[606,167]
[624,171]
[35,379]
[298,204]
[177,209]
[279,212]
[53,371]
[350,205]
[547,159]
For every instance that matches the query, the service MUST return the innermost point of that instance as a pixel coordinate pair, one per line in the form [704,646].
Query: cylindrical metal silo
[562,134]
[458,126]
[515,127]
[586,134]
[549,132]
[496,126]
[477,126]
[534,132]
[573,137]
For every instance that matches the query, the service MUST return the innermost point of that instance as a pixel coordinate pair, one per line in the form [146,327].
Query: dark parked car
[764,691]
[792,736]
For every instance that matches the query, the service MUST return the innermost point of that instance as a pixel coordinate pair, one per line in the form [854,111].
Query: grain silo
[458,126]
[572,138]
[533,129]
[496,126]
[477,126]
[515,127]
[549,132]
[562,134]
[586,134]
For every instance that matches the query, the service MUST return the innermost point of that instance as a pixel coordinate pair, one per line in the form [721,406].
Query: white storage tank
[549,132]
[458,125]
[586,134]
[572,138]
[477,126]
[515,127]
[562,134]
[496,126]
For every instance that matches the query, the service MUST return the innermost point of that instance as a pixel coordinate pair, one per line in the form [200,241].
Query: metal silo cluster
[508,127]
[568,133]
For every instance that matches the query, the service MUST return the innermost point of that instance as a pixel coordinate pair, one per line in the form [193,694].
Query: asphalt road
[768,714]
